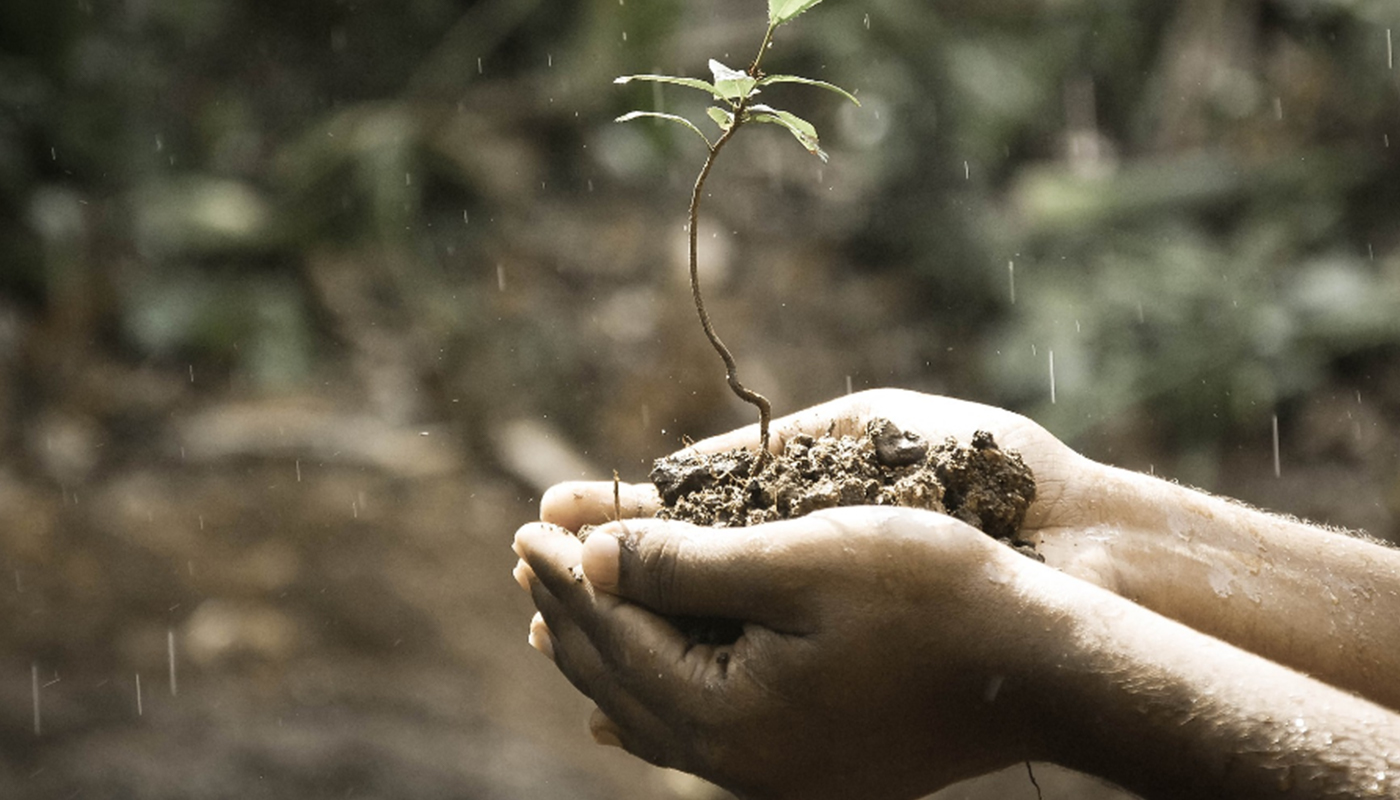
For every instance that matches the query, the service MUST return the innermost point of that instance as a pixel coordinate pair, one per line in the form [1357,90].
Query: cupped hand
[1061,474]
[882,654]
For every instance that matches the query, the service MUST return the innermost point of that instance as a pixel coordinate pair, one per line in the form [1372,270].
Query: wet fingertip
[523,574]
[600,558]
[539,637]
[534,531]
[603,730]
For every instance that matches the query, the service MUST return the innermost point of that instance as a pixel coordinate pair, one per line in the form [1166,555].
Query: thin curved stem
[765,408]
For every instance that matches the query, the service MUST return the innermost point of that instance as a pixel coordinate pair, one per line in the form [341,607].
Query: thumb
[678,569]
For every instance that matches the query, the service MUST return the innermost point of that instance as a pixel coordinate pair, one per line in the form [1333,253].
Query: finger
[540,637]
[643,723]
[606,645]
[522,574]
[577,503]
[603,730]
[757,574]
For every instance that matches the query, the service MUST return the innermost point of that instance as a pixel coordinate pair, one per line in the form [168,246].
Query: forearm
[1166,711]
[1315,600]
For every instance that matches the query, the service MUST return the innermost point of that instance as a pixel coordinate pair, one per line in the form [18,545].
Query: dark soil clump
[978,483]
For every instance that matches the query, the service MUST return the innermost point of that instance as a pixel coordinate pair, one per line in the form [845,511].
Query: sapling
[735,90]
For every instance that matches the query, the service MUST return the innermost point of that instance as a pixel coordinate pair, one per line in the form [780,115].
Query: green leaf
[801,129]
[780,11]
[731,84]
[693,83]
[724,119]
[631,115]
[809,82]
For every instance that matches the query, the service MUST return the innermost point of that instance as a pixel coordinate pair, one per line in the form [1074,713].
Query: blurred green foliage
[1197,197]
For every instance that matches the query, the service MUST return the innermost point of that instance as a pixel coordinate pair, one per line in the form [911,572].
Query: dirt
[978,483]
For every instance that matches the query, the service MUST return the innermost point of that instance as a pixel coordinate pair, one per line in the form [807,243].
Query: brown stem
[765,409]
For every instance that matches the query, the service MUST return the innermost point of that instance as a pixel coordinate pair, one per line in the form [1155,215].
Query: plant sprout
[735,91]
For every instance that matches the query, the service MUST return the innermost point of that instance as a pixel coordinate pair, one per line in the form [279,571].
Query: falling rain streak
[1011,278]
[34,681]
[1052,377]
[170,652]
[140,712]
[1277,471]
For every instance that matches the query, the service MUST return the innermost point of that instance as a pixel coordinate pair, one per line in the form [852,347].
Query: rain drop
[170,653]
[34,683]
[1389,51]
[1276,459]
[1011,278]
[478,65]
[466,218]
[867,25]
[140,712]
[501,277]
[1052,377]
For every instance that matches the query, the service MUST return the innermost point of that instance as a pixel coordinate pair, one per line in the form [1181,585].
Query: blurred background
[303,304]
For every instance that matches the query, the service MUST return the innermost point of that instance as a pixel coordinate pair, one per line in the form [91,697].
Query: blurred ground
[301,308]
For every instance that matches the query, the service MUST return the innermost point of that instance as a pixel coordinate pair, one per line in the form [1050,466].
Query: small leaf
[731,84]
[724,119]
[631,115]
[809,82]
[801,129]
[780,11]
[693,83]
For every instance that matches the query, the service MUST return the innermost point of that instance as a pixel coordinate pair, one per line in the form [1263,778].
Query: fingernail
[539,637]
[606,737]
[602,729]
[600,556]
[522,574]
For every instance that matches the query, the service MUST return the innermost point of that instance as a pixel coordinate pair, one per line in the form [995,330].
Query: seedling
[735,91]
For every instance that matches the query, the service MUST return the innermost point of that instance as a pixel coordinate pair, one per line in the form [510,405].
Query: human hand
[882,655]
